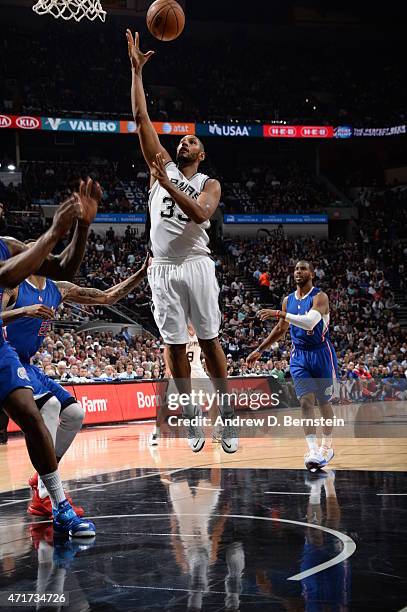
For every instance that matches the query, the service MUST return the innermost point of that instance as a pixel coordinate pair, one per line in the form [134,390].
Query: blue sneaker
[66,522]
[65,552]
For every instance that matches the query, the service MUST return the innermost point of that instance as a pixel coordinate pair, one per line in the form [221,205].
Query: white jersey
[193,350]
[172,234]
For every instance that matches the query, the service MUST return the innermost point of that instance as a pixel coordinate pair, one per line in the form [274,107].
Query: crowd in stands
[370,343]
[357,86]
[281,188]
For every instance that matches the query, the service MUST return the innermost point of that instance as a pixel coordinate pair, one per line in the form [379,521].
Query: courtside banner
[141,400]
[275,219]
[100,402]
[228,129]
[166,128]
[24,122]
[120,218]
[298,131]
[63,124]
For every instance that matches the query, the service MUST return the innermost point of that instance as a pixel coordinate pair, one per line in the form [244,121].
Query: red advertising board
[298,131]
[135,401]
[140,401]
[24,122]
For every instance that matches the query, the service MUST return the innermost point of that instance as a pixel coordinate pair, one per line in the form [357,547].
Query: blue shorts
[44,384]
[13,375]
[314,371]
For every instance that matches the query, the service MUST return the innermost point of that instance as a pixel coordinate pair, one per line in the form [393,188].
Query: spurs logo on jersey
[172,233]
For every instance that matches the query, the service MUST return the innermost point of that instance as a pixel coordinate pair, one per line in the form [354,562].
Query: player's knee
[72,417]
[209,347]
[307,402]
[30,419]
[176,350]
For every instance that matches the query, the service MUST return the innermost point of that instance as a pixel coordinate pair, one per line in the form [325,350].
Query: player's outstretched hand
[159,172]
[66,213]
[90,194]
[252,358]
[39,311]
[268,314]
[137,57]
[146,262]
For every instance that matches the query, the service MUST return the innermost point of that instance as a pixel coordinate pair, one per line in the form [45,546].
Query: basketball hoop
[71,9]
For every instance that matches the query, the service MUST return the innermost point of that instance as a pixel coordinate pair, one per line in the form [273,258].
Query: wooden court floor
[104,449]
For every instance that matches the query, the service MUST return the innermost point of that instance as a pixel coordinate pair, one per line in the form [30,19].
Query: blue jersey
[4,254]
[301,338]
[27,334]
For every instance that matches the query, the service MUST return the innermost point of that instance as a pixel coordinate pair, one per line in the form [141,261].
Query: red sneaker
[43,507]
[41,531]
[33,481]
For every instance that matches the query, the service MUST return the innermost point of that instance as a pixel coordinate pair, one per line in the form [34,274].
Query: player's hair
[309,264]
[201,144]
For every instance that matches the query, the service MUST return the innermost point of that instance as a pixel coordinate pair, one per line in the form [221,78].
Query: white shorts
[185,291]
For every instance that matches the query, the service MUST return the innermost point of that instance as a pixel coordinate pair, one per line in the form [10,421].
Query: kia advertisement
[24,122]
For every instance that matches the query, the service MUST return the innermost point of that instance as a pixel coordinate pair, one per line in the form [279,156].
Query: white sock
[312,442]
[54,487]
[70,423]
[326,441]
[157,431]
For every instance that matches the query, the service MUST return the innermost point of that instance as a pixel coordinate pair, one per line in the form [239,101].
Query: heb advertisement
[165,128]
[63,124]
[229,129]
[275,219]
[298,131]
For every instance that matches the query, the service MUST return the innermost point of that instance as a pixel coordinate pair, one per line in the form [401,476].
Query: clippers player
[33,305]
[17,261]
[182,274]
[313,364]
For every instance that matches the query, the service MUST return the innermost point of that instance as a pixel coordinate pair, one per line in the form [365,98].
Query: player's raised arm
[277,333]
[25,260]
[149,141]
[199,210]
[90,295]
[320,307]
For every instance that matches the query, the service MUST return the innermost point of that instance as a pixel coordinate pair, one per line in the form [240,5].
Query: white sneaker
[229,439]
[326,454]
[313,460]
[196,438]
[153,439]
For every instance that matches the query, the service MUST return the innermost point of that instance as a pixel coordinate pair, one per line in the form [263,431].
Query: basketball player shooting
[182,274]
[313,364]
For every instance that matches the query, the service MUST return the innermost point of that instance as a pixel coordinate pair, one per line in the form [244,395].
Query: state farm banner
[298,131]
[100,403]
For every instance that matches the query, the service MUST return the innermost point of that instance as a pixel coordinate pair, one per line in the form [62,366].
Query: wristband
[277,315]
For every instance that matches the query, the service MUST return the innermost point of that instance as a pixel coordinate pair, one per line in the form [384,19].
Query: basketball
[165,19]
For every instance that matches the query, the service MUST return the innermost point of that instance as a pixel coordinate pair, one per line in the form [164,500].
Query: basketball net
[71,9]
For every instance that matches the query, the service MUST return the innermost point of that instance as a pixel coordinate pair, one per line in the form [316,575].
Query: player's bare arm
[25,260]
[198,210]
[320,307]
[277,333]
[90,295]
[149,141]
[38,311]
